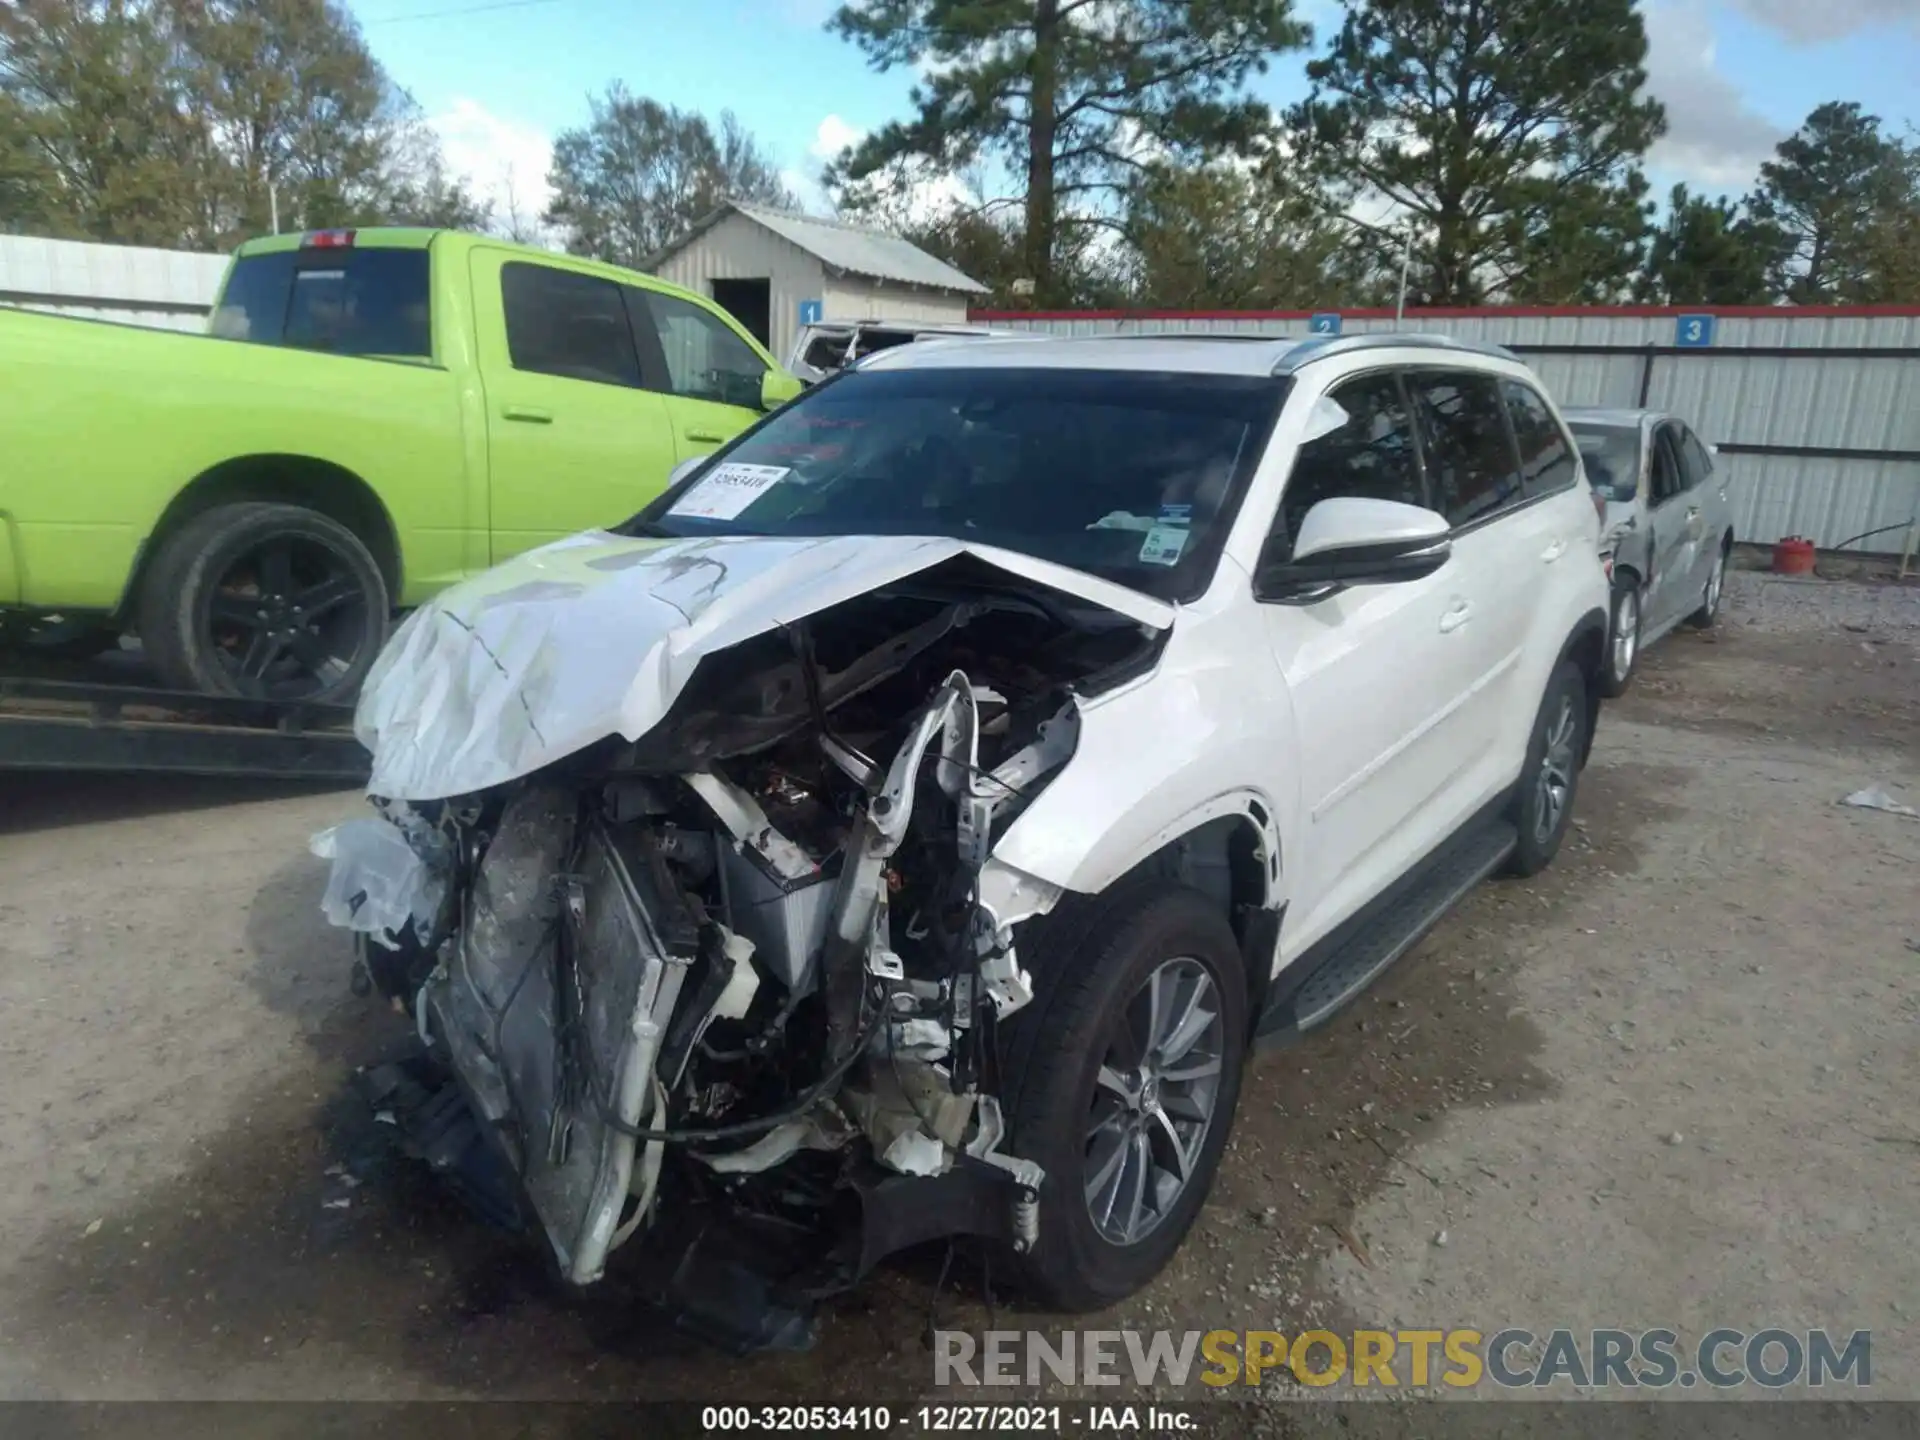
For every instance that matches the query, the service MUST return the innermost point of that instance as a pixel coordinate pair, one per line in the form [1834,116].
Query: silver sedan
[1669,526]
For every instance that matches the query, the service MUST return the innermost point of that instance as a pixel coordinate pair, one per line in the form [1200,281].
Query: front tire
[1122,1083]
[1623,639]
[266,601]
[1543,805]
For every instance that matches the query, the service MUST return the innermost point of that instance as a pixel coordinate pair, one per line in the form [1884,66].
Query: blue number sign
[1694,332]
[1325,323]
[810,312]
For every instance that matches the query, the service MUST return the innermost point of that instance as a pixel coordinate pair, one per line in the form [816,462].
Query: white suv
[905,826]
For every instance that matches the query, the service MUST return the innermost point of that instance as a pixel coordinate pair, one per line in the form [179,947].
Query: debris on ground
[1876,798]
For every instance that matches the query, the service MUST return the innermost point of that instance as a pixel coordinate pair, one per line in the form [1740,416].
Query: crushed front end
[726,994]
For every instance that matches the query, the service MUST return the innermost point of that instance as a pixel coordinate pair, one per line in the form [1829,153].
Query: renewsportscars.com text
[1511,1358]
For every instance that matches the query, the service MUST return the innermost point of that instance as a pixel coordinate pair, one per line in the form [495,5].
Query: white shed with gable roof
[776,271]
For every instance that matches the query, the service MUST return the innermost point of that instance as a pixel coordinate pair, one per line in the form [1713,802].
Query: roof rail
[1322,347]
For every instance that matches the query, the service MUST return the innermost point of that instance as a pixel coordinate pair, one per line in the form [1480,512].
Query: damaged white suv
[903,828]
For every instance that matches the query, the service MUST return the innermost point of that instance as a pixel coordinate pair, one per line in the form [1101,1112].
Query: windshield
[1133,476]
[346,301]
[1612,455]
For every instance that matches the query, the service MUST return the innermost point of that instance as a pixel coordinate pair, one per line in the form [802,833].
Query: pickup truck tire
[1087,1071]
[263,600]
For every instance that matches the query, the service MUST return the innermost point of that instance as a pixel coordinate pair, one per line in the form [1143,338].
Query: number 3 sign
[1695,332]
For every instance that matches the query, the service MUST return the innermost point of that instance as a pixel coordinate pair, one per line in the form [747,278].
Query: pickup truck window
[563,323]
[346,302]
[705,359]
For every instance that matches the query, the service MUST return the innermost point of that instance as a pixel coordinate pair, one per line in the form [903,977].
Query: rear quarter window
[344,302]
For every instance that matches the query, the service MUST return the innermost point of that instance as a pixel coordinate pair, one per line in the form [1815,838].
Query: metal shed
[133,284]
[776,271]
[1816,409]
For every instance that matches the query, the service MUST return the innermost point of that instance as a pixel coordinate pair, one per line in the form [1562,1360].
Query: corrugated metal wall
[851,300]
[739,249]
[1855,389]
[164,289]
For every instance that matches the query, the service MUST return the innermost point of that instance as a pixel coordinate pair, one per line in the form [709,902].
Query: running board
[1359,952]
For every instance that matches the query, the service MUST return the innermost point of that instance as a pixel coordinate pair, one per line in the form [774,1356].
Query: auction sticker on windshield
[724,491]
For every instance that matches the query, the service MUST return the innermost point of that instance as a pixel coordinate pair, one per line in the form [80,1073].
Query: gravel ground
[1668,1083]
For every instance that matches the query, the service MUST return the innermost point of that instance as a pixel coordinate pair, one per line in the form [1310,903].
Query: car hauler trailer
[53,724]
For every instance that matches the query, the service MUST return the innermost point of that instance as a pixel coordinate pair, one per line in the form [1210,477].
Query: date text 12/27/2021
[947,1419]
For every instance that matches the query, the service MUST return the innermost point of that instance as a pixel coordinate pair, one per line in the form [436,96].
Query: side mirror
[1353,541]
[777,387]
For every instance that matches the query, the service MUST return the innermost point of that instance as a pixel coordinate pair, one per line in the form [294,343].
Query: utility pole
[1406,265]
[273,209]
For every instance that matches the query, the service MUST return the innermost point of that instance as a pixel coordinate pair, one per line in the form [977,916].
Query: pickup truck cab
[374,415]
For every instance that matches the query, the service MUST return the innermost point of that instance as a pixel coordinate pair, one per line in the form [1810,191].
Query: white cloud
[832,136]
[1714,138]
[1813,20]
[504,161]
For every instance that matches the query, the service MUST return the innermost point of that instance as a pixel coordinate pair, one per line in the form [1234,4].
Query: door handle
[705,437]
[1554,551]
[532,414]
[1455,617]
[1693,514]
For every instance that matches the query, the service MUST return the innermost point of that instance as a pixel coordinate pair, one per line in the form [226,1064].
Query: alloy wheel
[1626,633]
[287,618]
[1557,767]
[1154,1100]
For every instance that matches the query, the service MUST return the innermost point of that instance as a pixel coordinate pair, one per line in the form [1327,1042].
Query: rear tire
[1543,805]
[267,601]
[1709,611]
[1088,1079]
[1623,639]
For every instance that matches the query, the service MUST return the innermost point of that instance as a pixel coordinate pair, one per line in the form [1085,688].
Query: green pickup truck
[374,415]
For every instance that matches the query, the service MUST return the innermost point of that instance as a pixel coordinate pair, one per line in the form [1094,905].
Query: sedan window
[1612,456]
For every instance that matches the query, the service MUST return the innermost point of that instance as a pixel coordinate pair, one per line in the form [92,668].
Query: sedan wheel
[1710,594]
[1623,645]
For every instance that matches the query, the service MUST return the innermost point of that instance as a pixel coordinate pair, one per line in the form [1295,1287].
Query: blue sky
[499,82]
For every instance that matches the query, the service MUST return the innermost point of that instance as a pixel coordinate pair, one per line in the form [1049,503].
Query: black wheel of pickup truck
[268,601]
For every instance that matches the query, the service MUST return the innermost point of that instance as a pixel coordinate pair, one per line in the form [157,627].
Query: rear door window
[563,323]
[345,301]
[1546,454]
[1471,464]
[1668,477]
[1695,463]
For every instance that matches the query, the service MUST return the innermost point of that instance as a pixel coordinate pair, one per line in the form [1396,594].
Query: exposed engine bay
[726,993]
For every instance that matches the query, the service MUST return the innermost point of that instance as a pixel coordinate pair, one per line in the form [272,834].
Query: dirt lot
[1673,1083]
